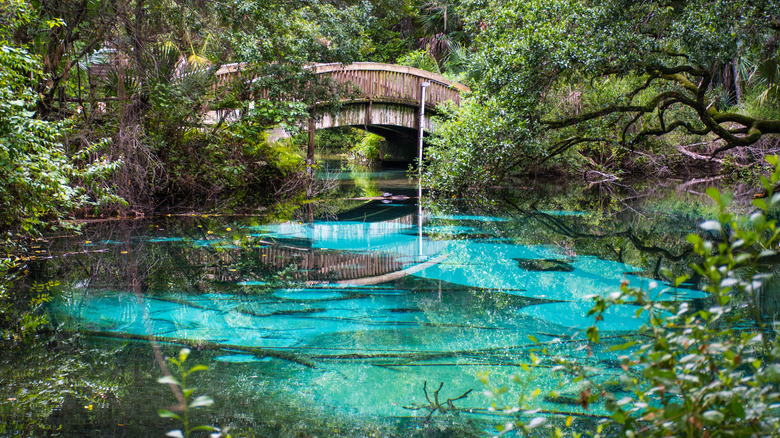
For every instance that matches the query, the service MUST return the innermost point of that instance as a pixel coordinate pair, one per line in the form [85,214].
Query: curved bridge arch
[385,95]
[392,85]
[385,99]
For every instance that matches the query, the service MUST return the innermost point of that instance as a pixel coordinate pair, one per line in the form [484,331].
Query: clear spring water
[342,320]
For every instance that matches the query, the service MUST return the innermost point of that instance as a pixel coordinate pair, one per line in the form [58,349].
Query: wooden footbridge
[386,98]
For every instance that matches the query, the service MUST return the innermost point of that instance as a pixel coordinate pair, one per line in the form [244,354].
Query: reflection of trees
[641,243]
[67,383]
[623,227]
[194,255]
[60,382]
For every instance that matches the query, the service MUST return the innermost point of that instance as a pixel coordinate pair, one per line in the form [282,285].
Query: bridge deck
[378,82]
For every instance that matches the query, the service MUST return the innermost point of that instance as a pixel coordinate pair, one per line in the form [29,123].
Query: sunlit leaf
[201,401]
[164,413]
[168,380]
[206,428]
[198,368]
[714,416]
[624,346]
[711,226]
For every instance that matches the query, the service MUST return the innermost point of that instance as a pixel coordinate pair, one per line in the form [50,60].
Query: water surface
[332,322]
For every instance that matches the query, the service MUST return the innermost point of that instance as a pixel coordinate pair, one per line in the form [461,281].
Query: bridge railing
[376,82]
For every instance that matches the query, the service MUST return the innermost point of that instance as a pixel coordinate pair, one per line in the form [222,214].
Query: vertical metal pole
[310,150]
[421,122]
[310,155]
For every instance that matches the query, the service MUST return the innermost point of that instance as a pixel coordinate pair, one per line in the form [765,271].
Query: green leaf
[593,334]
[693,239]
[726,199]
[714,193]
[619,417]
[760,203]
[198,368]
[714,416]
[164,413]
[168,380]
[622,347]
[202,400]
[673,411]
[680,280]
[206,428]
[737,409]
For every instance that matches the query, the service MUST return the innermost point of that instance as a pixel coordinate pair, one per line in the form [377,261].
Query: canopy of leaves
[617,73]
[35,172]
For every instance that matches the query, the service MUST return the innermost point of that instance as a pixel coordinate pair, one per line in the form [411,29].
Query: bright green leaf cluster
[187,402]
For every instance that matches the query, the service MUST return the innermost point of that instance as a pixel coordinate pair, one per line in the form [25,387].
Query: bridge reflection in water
[350,252]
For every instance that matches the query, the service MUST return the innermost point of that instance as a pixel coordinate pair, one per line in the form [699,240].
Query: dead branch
[435,405]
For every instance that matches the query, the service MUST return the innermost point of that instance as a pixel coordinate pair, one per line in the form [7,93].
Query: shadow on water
[346,325]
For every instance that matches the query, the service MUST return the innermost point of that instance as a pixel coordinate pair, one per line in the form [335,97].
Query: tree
[63,33]
[621,74]
[141,72]
[37,177]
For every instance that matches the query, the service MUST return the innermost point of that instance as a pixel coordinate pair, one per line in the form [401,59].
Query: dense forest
[104,101]
[114,109]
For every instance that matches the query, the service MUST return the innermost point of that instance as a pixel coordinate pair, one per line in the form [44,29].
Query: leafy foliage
[614,76]
[368,152]
[60,378]
[420,59]
[711,371]
[22,315]
[185,393]
[37,176]
[475,148]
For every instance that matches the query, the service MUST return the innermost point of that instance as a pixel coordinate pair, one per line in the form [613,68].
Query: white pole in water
[421,121]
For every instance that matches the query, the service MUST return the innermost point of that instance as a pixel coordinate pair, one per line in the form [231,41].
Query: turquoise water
[348,316]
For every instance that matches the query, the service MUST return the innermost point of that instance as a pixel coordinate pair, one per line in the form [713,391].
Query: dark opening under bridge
[386,99]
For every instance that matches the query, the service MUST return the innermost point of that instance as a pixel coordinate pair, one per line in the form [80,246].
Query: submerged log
[309,360]
[208,345]
[429,355]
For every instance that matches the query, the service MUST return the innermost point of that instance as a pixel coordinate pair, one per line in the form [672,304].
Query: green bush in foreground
[706,372]
[186,401]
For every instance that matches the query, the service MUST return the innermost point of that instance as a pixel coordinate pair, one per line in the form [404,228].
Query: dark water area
[343,317]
